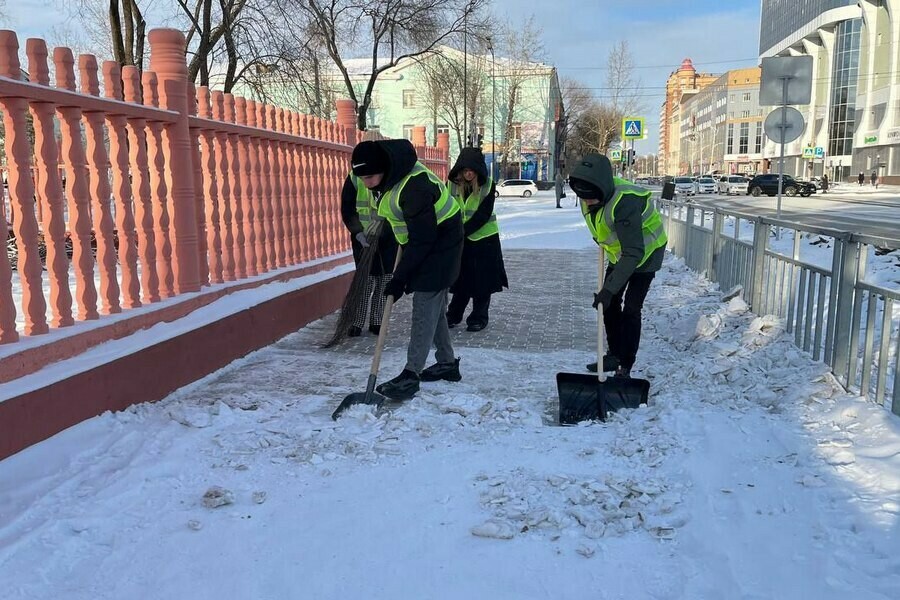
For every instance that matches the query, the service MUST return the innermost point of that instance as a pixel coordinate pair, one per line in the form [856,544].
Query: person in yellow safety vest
[358,211]
[482,272]
[427,223]
[624,221]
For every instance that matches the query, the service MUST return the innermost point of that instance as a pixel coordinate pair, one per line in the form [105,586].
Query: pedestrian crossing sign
[809,152]
[632,128]
[615,155]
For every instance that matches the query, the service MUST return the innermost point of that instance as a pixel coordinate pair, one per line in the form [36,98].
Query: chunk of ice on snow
[493,528]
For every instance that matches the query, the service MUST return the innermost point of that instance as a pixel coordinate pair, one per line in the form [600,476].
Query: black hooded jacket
[386,254]
[597,170]
[431,258]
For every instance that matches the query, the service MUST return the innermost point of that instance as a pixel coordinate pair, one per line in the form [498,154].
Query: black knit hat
[369,159]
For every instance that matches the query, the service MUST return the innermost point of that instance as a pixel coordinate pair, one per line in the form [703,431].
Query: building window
[407,132]
[759,132]
[744,141]
[409,98]
[841,120]
[745,114]
[729,143]
[443,129]
[517,131]
[746,96]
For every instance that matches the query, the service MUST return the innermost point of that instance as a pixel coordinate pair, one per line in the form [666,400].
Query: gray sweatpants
[429,326]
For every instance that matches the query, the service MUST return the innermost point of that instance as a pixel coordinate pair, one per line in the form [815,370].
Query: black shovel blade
[578,398]
[583,397]
[373,398]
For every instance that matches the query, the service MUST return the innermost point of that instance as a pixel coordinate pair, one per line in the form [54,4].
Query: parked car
[733,184]
[768,184]
[517,187]
[685,186]
[706,185]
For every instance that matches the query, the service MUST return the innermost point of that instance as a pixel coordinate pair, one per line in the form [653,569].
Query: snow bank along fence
[834,313]
[175,196]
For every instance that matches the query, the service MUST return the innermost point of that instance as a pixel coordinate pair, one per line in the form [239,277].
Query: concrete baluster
[140,188]
[98,165]
[303,229]
[21,192]
[227,195]
[159,192]
[118,149]
[77,191]
[277,189]
[266,175]
[210,188]
[243,179]
[50,192]
[238,218]
[258,192]
[198,196]
[287,197]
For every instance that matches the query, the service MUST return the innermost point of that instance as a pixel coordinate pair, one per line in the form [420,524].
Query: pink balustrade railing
[160,188]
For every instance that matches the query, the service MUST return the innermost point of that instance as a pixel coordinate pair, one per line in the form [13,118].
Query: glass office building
[781,18]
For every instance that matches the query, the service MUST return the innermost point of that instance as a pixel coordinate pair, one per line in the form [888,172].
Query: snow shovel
[585,397]
[370,396]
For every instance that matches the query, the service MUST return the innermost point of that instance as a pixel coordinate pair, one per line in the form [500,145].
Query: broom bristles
[354,295]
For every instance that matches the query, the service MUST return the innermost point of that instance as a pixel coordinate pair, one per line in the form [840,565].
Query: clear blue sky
[716,34]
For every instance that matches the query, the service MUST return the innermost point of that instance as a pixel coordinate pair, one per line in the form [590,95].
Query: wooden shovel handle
[601,375]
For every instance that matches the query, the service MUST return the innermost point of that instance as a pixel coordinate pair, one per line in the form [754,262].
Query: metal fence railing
[831,310]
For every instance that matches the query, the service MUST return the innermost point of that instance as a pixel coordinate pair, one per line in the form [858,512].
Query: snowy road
[865,211]
[750,475]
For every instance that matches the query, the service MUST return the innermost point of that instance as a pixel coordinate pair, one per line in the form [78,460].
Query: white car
[733,184]
[685,186]
[706,185]
[524,188]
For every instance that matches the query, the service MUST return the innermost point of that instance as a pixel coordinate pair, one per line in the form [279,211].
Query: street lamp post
[493,109]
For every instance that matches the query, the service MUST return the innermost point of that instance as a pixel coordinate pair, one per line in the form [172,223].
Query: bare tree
[393,29]
[595,125]
[523,49]
[128,31]
[454,92]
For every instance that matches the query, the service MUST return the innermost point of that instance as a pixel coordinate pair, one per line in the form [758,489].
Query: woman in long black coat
[482,272]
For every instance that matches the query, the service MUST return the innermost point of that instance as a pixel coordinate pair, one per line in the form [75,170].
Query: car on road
[733,184]
[706,185]
[524,188]
[685,186]
[768,184]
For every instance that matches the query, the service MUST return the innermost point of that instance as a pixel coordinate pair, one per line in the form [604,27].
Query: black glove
[395,288]
[603,297]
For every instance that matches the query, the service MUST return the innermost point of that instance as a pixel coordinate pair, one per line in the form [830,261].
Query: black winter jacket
[431,258]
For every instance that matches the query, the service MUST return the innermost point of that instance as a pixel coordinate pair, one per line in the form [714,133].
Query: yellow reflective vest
[365,201]
[389,206]
[602,225]
[470,205]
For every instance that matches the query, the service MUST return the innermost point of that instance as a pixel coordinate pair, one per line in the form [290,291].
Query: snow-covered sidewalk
[750,475]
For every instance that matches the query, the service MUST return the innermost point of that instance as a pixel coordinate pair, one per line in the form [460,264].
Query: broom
[358,286]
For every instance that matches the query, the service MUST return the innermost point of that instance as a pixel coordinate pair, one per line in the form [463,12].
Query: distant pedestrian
[560,194]
[875,179]
[825,183]
[861,178]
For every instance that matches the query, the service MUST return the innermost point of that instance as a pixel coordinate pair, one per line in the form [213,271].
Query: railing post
[716,245]
[846,280]
[167,48]
[689,238]
[443,144]
[760,239]
[346,118]
[418,136]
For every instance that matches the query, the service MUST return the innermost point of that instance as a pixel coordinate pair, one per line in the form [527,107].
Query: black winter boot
[438,371]
[402,387]
[375,329]
[354,331]
[610,364]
